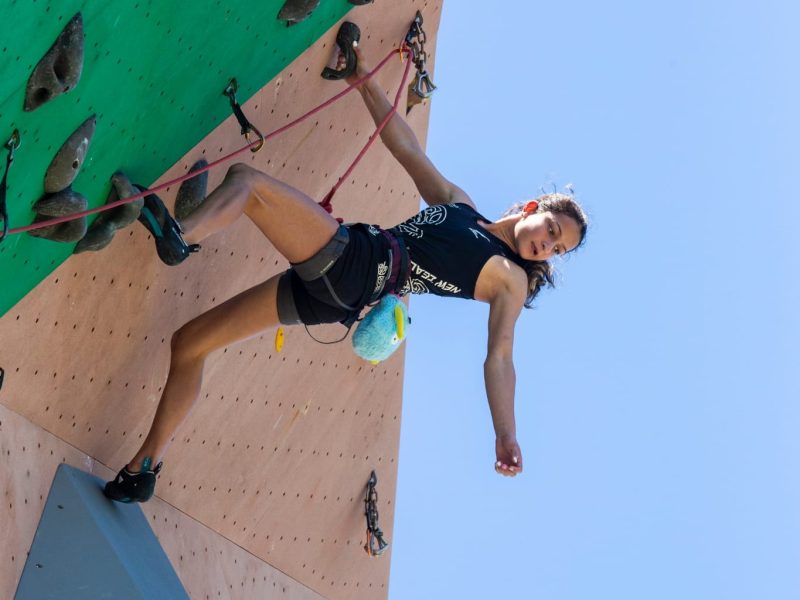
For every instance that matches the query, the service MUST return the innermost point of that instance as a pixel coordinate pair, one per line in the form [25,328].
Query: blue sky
[657,395]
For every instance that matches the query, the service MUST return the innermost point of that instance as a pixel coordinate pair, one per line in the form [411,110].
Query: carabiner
[423,86]
[13,144]
[247,126]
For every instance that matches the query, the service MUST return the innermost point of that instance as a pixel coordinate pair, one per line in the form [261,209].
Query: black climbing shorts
[358,263]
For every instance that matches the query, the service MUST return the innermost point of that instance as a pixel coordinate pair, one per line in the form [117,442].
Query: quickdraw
[247,126]
[422,87]
[11,145]
[375,545]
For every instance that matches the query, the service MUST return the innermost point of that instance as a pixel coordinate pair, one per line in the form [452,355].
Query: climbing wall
[262,489]
[152,75]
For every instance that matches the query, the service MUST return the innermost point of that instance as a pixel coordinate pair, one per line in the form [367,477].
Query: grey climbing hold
[68,160]
[65,202]
[294,11]
[60,69]
[106,225]
[97,238]
[124,215]
[192,191]
[68,232]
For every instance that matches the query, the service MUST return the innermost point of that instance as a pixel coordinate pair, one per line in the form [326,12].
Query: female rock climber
[448,249]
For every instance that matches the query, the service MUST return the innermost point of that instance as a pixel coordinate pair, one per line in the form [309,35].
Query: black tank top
[447,249]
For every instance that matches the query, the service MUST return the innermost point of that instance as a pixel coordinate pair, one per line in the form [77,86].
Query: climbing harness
[422,87]
[247,126]
[374,334]
[375,545]
[11,145]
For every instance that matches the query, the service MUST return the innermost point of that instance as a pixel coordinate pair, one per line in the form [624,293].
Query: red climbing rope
[325,203]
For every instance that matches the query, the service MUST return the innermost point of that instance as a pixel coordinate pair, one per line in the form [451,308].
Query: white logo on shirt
[477,233]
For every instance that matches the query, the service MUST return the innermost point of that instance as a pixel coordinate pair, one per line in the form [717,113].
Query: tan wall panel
[208,565]
[277,453]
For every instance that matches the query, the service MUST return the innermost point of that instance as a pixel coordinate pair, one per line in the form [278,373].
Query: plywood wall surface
[276,455]
[208,565]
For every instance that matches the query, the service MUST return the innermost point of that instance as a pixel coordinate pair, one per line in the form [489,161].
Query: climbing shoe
[133,487]
[166,232]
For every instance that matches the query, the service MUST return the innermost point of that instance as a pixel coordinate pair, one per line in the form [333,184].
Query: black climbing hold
[294,11]
[65,202]
[98,237]
[192,191]
[361,2]
[60,204]
[68,232]
[348,34]
[106,225]
[68,160]
[124,215]
[60,69]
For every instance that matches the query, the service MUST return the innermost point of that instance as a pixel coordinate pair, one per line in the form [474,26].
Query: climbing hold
[400,320]
[124,215]
[106,225]
[294,11]
[192,191]
[60,204]
[60,69]
[382,331]
[68,160]
[68,232]
[279,337]
[361,2]
[65,202]
[98,237]
[348,34]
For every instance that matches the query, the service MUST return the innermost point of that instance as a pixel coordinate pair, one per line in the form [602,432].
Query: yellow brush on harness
[382,331]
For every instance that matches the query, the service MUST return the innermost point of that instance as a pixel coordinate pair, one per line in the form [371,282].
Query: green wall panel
[153,74]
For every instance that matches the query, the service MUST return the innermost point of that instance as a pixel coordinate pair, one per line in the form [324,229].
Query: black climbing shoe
[132,487]
[171,248]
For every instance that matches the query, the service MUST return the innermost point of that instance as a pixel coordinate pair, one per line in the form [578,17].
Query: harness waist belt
[399,266]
